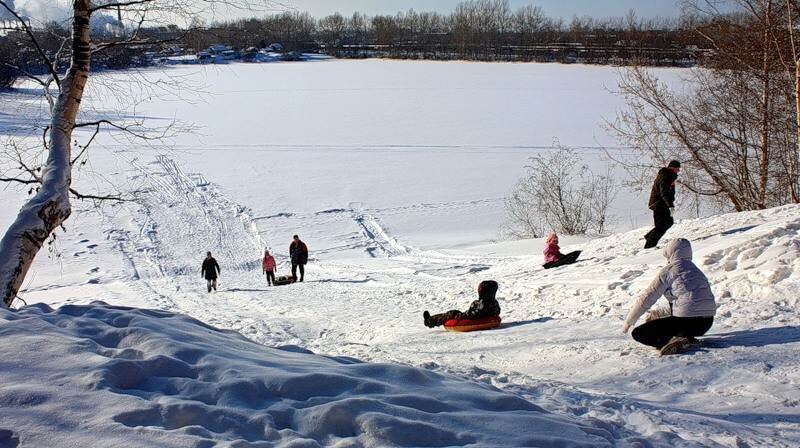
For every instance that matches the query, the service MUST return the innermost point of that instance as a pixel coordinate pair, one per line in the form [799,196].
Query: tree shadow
[247,290]
[540,320]
[761,337]
[728,232]
[330,280]
[16,126]
[8,439]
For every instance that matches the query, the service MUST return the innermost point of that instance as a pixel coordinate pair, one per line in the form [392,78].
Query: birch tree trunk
[50,207]
[764,160]
[793,157]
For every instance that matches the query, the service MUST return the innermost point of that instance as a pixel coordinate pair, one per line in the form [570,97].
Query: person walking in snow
[691,303]
[662,203]
[298,252]
[268,265]
[485,306]
[210,271]
[553,257]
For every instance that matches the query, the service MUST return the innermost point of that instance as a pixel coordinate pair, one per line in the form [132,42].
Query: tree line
[734,125]
[475,30]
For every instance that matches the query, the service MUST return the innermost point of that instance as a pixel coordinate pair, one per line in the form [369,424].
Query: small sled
[468,325]
[567,259]
[284,280]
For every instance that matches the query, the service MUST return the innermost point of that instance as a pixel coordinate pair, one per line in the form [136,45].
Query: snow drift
[97,375]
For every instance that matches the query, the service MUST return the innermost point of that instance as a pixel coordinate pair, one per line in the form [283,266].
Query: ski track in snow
[560,346]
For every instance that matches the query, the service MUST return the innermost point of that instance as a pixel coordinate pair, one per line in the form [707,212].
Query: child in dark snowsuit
[485,306]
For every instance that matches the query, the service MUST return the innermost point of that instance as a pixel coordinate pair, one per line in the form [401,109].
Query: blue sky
[555,8]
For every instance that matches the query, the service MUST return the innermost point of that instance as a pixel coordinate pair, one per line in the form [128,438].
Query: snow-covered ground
[96,375]
[396,225]
[429,148]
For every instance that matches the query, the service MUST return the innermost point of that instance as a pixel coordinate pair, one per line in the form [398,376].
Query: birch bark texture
[50,206]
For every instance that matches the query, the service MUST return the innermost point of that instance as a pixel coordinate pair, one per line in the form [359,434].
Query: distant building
[10,25]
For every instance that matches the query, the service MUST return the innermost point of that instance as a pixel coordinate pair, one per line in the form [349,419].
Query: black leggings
[302,270]
[437,320]
[662,219]
[657,333]
[270,277]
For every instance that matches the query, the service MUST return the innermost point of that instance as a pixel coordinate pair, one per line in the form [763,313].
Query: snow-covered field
[394,174]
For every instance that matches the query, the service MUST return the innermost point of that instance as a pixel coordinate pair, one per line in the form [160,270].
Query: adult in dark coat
[485,306]
[210,271]
[298,252]
[662,202]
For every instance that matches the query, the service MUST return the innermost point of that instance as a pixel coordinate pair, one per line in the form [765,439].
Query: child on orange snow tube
[485,306]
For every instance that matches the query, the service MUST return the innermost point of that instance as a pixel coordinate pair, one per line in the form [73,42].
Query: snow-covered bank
[432,148]
[561,346]
[399,216]
[103,376]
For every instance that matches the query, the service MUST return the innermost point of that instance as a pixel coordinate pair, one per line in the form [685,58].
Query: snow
[97,374]
[395,229]
[431,148]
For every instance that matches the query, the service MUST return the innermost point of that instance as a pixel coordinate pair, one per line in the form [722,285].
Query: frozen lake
[394,173]
[429,149]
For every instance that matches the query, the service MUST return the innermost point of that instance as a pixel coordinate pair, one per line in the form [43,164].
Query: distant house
[250,54]
[218,49]
[230,55]
[10,25]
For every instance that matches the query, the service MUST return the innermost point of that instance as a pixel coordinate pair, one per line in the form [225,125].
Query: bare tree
[50,206]
[561,193]
[735,124]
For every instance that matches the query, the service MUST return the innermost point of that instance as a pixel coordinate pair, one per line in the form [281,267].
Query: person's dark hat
[487,289]
[674,164]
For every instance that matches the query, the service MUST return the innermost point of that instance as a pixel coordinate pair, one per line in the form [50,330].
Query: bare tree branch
[50,66]
[115,5]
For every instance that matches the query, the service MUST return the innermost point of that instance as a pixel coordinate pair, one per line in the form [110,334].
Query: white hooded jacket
[681,282]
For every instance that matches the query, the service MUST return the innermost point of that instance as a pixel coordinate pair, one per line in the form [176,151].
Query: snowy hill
[107,376]
[560,348]
[390,236]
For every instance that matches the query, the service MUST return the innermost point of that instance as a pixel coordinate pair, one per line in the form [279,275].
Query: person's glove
[626,327]
[672,211]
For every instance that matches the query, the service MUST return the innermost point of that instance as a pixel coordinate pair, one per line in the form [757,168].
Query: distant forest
[485,30]
[481,30]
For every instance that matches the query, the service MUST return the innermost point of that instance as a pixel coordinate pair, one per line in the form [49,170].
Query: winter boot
[426,317]
[675,346]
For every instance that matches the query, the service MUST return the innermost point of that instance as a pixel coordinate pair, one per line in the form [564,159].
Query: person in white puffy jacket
[692,304]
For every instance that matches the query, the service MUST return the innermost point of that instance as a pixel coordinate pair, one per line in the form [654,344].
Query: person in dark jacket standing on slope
[485,306]
[210,271]
[298,252]
[662,202]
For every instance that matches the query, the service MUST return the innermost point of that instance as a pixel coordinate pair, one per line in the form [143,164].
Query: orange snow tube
[467,325]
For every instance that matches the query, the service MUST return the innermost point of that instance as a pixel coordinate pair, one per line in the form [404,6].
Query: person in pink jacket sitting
[553,257]
[269,265]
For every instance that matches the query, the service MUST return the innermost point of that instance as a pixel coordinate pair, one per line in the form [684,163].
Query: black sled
[567,259]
